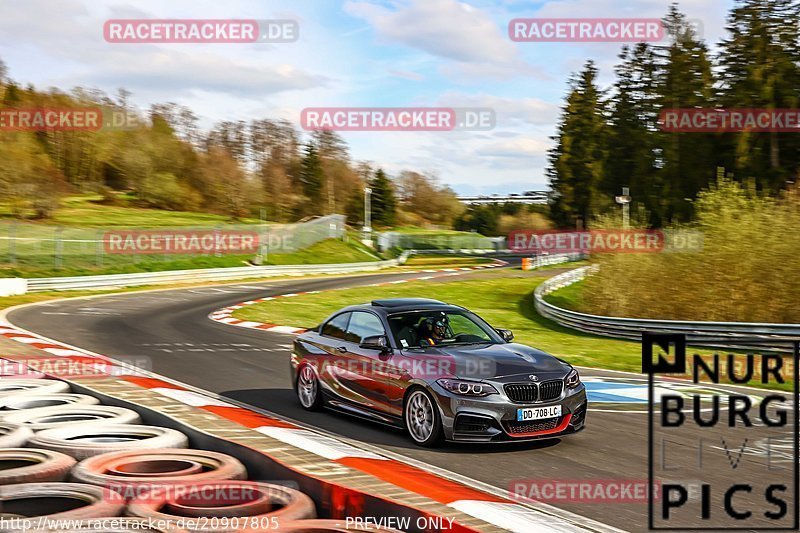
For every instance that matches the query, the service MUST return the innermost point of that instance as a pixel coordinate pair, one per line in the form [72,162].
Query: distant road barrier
[111,281]
[745,335]
[38,245]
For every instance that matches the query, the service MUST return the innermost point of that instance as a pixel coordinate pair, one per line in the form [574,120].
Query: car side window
[337,326]
[363,325]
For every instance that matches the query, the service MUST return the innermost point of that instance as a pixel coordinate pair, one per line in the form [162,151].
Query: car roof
[394,305]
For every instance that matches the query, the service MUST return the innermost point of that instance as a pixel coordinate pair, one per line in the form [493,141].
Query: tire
[9,386]
[83,441]
[258,501]
[20,402]
[422,419]
[29,465]
[135,472]
[14,435]
[60,500]
[51,417]
[308,390]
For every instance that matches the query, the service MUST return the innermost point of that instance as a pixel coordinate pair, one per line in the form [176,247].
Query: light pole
[367,216]
[625,200]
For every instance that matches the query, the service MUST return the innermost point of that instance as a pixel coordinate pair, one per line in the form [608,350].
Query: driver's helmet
[437,325]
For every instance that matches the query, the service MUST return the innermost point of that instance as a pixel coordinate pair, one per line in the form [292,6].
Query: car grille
[535,392]
[523,393]
[550,390]
[532,426]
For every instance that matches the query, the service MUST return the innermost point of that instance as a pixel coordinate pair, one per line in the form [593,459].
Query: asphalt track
[172,330]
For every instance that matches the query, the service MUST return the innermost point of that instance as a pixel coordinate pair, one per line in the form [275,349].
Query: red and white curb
[225,315]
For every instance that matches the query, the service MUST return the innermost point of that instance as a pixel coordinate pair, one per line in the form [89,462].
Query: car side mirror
[376,342]
[507,334]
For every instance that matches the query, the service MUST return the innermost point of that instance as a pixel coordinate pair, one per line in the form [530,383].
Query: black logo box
[670,349]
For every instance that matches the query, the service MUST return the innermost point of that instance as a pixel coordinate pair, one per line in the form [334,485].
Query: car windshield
[418,329]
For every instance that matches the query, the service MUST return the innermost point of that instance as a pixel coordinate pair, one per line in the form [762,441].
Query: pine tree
[311,178]
[633,114]
[688,159]
[576,163]
[384,203]
[760,65]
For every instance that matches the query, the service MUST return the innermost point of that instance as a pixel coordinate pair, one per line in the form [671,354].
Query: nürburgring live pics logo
[733,466]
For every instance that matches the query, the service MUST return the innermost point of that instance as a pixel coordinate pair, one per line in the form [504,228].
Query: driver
[434,330]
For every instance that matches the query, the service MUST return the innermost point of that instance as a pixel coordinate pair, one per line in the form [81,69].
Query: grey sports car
[438,370]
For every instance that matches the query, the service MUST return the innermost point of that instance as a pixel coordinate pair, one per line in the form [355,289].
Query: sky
[354,53]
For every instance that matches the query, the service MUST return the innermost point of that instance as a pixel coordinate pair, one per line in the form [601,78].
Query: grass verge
[504,299]
[323,252]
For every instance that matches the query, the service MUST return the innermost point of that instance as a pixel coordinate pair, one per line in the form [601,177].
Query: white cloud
[447,29]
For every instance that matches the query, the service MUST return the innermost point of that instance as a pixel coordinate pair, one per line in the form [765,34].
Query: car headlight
[466,388]
[573,379]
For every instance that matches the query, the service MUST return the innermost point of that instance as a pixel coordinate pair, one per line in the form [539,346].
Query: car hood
[491,361]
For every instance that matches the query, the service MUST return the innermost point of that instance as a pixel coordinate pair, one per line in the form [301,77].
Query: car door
[334,370]
[373,366]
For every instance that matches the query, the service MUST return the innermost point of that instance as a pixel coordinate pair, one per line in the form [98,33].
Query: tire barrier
[259,503]
[59,500]
[82,441]
[51,417]
[134,472]
[338,488]
[21,402]
[29,465]
[14,435]
[33,385]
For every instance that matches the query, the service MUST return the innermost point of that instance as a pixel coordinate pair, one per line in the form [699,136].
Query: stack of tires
[66,456]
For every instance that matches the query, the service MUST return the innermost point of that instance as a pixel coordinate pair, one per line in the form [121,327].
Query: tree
[423,200]
[576,162]
[688,159]
[760,68]
[631,147]
[311,178]
[384,203]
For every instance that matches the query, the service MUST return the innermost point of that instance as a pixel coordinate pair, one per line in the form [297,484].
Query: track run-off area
[171,330]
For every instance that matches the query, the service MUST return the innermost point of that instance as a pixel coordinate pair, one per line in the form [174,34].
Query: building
[527,197]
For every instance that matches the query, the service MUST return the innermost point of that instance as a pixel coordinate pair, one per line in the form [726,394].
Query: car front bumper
[494,418]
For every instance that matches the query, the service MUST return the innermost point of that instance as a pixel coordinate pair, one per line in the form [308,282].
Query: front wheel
[422,419]
[308,389]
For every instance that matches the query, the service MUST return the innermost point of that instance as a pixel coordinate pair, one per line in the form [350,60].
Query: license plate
[538,413]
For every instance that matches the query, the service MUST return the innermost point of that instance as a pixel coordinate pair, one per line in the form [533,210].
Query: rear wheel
[308,389]
[422,419]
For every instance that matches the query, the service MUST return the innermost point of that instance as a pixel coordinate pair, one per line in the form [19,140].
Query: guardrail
[110,281]
[745,335]
[538,261]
